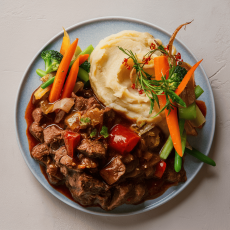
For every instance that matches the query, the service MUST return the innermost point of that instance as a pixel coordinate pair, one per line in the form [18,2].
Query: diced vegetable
[83,75]
[46,107]
[199,120]
[71,79]
[188,113]
[41,92]
[104,131]
[41,72]
[167,148]
[186,79]
[198,91]
[122,139]
[88,50]
[64,104]
[65,43]
[200,156]
[47,83]
[61,73]
[71,140]
[160,169]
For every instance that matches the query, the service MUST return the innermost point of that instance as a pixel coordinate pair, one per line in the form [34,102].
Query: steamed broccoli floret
[85,66]
[52,60]
[177,76]
[180,71]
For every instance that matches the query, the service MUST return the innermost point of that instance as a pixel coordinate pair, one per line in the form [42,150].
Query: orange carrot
[65,43]
[162,68]
[71,80]
[186,79]
[61,73]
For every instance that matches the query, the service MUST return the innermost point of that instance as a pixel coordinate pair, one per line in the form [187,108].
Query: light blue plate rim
[60,196]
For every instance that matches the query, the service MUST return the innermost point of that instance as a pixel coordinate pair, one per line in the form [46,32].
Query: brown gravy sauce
[152,184]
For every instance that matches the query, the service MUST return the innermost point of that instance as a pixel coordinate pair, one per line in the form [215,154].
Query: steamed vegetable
[200,156]
[47,83]
[71,79]
[40,72]
[122,139]
[65,43]
[167,148]
[198,91]
[83,75]
[199,120]
[61,73]
[188,113]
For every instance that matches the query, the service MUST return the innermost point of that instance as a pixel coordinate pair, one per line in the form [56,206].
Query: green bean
[167,148]
[188,113]
[198,91]
[88,50]
[40,72]
[200,156]
[178,158]
[83,75]
[47,83]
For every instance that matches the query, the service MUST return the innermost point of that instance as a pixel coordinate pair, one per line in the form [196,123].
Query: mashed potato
[110,79]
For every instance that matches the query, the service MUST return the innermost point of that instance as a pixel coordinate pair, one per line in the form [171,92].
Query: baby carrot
[71,79]
[61,73]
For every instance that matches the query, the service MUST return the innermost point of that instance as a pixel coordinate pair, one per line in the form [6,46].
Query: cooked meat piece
[69,163]
[92,148]
[135,173]
[131,166]
[84,103]
[36,131]
[89,163]
[59,116]
[109,116]
[37,115]
[40,153]
[120,196]
[152,140]
[171,175]
[113,171]
[127,158]
[59,154]
[53,173]
[88,191]
[53,136]
[139,191]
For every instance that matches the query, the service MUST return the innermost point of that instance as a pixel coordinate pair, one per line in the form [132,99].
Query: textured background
[26,25]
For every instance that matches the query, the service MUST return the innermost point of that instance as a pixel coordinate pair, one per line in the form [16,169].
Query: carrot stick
[186,79]
[162,68]
[71,80]
[65,43]
[61,73]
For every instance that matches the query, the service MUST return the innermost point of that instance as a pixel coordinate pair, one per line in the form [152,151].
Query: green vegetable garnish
[104,131]
[153,88]
[86,66]
[85,121]
[93,133]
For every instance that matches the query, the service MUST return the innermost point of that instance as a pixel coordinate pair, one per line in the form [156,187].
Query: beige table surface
[24,28]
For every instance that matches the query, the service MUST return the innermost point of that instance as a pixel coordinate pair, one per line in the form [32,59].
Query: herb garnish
[104,131]
[93,133]
[85,121]
[152,88]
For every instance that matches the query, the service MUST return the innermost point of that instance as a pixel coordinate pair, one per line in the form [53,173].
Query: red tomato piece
[71,139]
[161,166]
[122,139]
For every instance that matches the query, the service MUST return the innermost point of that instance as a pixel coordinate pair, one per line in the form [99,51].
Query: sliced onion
[144,129]
[46,107]
[64,104]
[79,85]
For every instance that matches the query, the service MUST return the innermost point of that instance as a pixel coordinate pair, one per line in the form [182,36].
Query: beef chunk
[113,171]
[120,196]
[171,175]
[92,148]
[37,115]
[84,103]
[139,191]
[54,174]
[36,131]
[87,190]
[40,153]
[87,162]
[69,163]
[53,136]
[59,154]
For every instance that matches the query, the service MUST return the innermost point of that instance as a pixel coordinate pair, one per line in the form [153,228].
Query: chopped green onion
[47,83]
[93,133]
[104,131]
[198,91]
[188,113]
[40,72]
